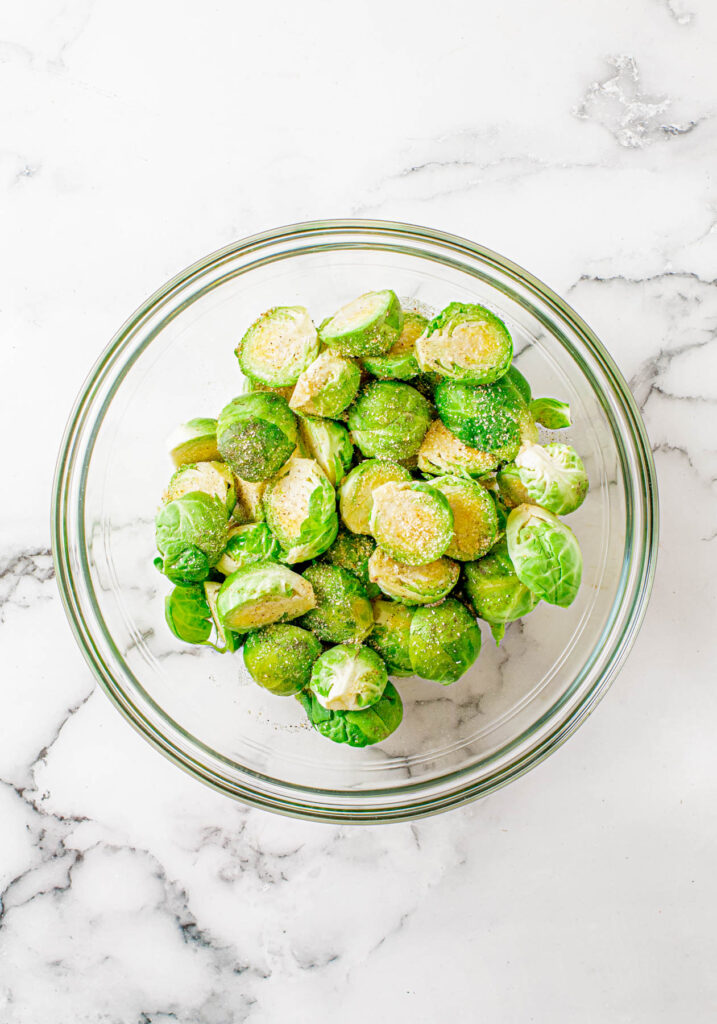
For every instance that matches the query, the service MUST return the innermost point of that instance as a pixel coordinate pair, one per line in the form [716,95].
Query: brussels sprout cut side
[411,522]
[260,594]
[368,326]
[300,507]
[278,346]
[466,343]
[327,386]
[357,490]
[448,505]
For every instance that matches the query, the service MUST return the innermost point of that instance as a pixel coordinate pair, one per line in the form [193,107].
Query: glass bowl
[173,360]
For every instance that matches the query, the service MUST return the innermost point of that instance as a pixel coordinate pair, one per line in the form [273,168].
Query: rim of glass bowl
[401,802]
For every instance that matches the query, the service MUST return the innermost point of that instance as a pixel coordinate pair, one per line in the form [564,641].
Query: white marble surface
[581,140]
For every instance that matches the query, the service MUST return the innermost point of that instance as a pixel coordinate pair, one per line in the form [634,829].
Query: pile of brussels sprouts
[379,488]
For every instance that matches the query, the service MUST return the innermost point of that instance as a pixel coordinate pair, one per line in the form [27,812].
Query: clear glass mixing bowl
[174,359]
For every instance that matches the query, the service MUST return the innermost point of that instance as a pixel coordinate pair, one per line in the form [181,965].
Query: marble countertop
[581,141]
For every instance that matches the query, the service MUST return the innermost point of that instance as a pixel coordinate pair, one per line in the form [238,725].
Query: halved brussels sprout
[329,444]
[349,677]
[389,419]
[327,386]
[441,452]
[356,490]
[194,441]
[280,658]
[253,542]
[257,433]
[367,326]
[475,520]
[262,593]
[342,611]
[249,508]
[480,417]
[466,342]
[191,533]
[444,641]
[278,346]
[300,508]
[412,522]
[213,478]
[551,413]
[351,551]
[356,728]
[391,634]
[494,590]
[545,554]
[400,361]
[188,615]
[552,476]
[519,382]
[413,584]
[229,640]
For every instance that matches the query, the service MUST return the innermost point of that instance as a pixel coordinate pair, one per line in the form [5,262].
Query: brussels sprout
[413,584]
[356,491]
[466,342]
[342,611]
[257,433]
[389,419]
[494,590]
[551,413]
[194,441]
[213,478]
[280,658]
[327,386]
[229,640]
[247,544]
[545,554]
[278,346]
[300,508]
[519,382]
[262,593]
[441,452]
[391,634]
[444,641]
[475,520]
[368,326]
[351,551]
[356,728]
[188,615]
[249,508]
[480,418]
[329,444]
[349,677]
[191,533]
[411,522]
[553,477]
[400,361]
